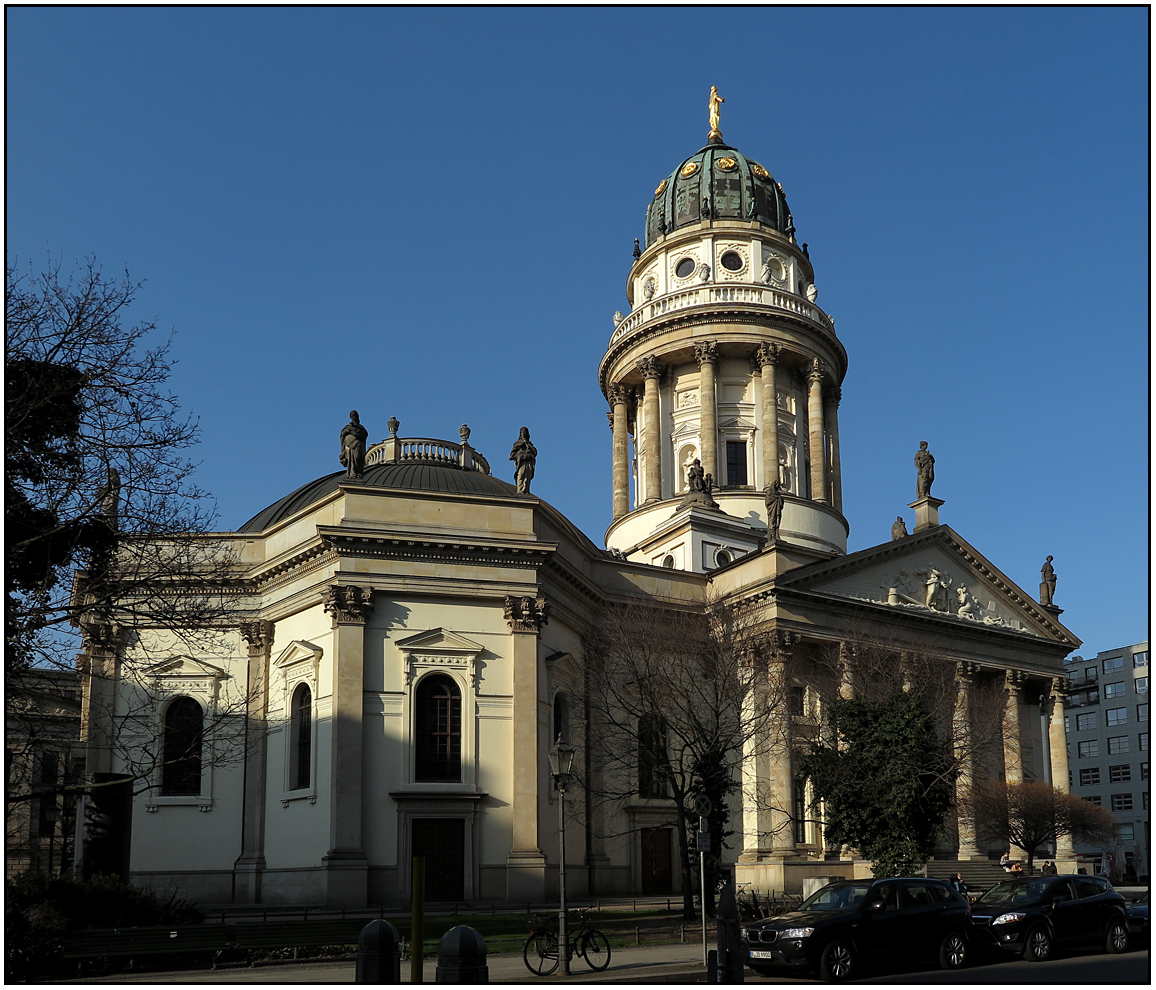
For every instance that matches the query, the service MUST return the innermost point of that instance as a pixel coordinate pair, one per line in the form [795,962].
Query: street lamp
[561,760]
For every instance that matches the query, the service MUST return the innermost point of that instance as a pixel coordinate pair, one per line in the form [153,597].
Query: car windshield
[1015,892]
[841,898]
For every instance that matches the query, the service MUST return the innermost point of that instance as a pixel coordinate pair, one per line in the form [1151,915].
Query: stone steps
[978,875]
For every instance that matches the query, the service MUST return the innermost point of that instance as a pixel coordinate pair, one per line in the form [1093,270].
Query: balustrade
[423,450]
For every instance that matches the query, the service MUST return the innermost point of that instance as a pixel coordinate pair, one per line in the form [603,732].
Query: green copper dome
[717,183]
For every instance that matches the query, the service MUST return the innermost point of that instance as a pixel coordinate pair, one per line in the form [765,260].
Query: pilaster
[526,864]
[345,863]
[100,671]
[250,865]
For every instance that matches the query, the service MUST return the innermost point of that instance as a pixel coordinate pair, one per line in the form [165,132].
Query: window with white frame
[1127,832]
[301,738]
[438,729]
[1140,659]
[1141,685]
[184,726]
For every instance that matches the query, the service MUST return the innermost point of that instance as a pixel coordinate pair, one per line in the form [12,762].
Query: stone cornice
[427,546]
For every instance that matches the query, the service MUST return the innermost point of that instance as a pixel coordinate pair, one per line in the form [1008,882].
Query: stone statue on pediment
[1047,582]
[925,466]
[898,529]
[524,455]
[353,437]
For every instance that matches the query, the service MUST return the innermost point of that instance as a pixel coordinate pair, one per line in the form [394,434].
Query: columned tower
[724,359]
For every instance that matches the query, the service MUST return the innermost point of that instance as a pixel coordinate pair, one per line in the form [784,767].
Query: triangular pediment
[184,666]
[738,422]
[297,651]
[439,641]
[936,574]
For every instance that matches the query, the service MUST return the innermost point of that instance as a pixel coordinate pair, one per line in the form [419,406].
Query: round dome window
[668,561]
[732,261]
[722,558]
[685,268]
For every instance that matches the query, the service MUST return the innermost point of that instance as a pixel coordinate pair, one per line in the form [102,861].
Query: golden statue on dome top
[715,100]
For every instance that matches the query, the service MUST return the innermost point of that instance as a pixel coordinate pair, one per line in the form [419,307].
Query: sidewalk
[649,964]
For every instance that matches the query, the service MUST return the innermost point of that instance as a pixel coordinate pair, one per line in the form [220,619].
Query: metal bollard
[730,957]
[462,957]
[378,954]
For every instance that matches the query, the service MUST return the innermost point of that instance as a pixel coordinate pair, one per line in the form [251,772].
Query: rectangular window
[1143,742]
[1117,744]
[1114,690]
[1089,747]
[1145,800]
[1121,802]
[1116,716]
[1091,674]
[797,701]
[1141,713]
[1067,723]
[1085,721]
[1094,799]
[1113,663]
[1127,832]
[800,811]
[1119,773]
[1143,771]
[736,462]
[1089,775]
[1141,685]
[1140,659]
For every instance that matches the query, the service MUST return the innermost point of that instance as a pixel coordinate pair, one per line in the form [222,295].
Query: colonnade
[821,403]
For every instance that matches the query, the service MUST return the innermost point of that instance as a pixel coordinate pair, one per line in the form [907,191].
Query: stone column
[99,672]
[780,771]
[1058,745]
[832,397]
[250,865]
[1013,769]
[706,354]
[651,369]
[961,730]
[846,671]
[526,864]
[767,358]
[815,432]
[345,864]
[619,396]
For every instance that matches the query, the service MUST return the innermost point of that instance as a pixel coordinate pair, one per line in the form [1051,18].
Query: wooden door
[442,841]
[656,861]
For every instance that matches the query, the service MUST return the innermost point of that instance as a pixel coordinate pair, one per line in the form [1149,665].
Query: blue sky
[429,213]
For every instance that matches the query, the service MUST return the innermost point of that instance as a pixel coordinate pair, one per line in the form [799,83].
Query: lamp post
[561,760]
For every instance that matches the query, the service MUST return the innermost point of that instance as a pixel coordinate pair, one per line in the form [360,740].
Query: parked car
[1035,916]
[845,924]
[1138,919]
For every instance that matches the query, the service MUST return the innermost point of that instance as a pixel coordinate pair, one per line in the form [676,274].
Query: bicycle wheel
[595,949]
[540,953]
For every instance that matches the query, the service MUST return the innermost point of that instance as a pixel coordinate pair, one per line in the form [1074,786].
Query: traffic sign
[703,806]
[703,842]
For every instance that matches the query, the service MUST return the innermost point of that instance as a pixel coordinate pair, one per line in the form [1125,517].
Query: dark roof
[721,184]
[410,477]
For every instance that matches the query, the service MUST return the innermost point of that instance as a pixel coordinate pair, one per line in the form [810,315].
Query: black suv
[1034,916]
[853,920]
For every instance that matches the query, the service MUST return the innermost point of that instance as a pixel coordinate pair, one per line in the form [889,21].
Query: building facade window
[1140,659]
[800,811]
[1121,802]
[1091,674]
[1117,744]
[1118,774]
[1114,690]
[1116,716]
[301,738]
[561,718]
[1113,663]
[1145,800]
[1143,771]
[1085,721]
[1093,799]
[438,730]
[1089,775]
[1141,684]
[1143,742]
[652,758]
[1088,748]
[1127,832]
[736,462]
[183,732]
[1142,713]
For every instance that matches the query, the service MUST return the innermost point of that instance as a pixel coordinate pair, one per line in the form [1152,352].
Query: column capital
[767,354]
[526,614]
[651,367]
[101,637]
[619,395]
[814,373]
[348,603]
[1014,680]
[258,634]
[833,395]
[966,672]
[706,352]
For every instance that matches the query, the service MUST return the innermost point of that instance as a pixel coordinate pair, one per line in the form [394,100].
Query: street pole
[417,923]
[702,900]
[563,941]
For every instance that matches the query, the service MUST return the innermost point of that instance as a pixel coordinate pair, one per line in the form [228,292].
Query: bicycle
[540,950]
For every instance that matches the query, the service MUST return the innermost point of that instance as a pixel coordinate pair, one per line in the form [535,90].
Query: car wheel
[1117,938]
[953,951]
[837,961]
[1038,944]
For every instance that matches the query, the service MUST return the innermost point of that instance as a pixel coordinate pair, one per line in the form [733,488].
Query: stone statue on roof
[524,455]
[353,437]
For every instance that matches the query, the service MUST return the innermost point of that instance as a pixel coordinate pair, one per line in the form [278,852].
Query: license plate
[761,954]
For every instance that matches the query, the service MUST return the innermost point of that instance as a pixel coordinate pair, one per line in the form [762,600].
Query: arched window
[668,560]
[438,730]
[183,728]
[653,762]
[301,737]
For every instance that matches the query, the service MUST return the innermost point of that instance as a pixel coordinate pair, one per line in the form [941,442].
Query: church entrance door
[442,841]
[656,861]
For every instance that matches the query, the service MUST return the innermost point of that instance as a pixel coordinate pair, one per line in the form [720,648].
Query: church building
[411,621]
